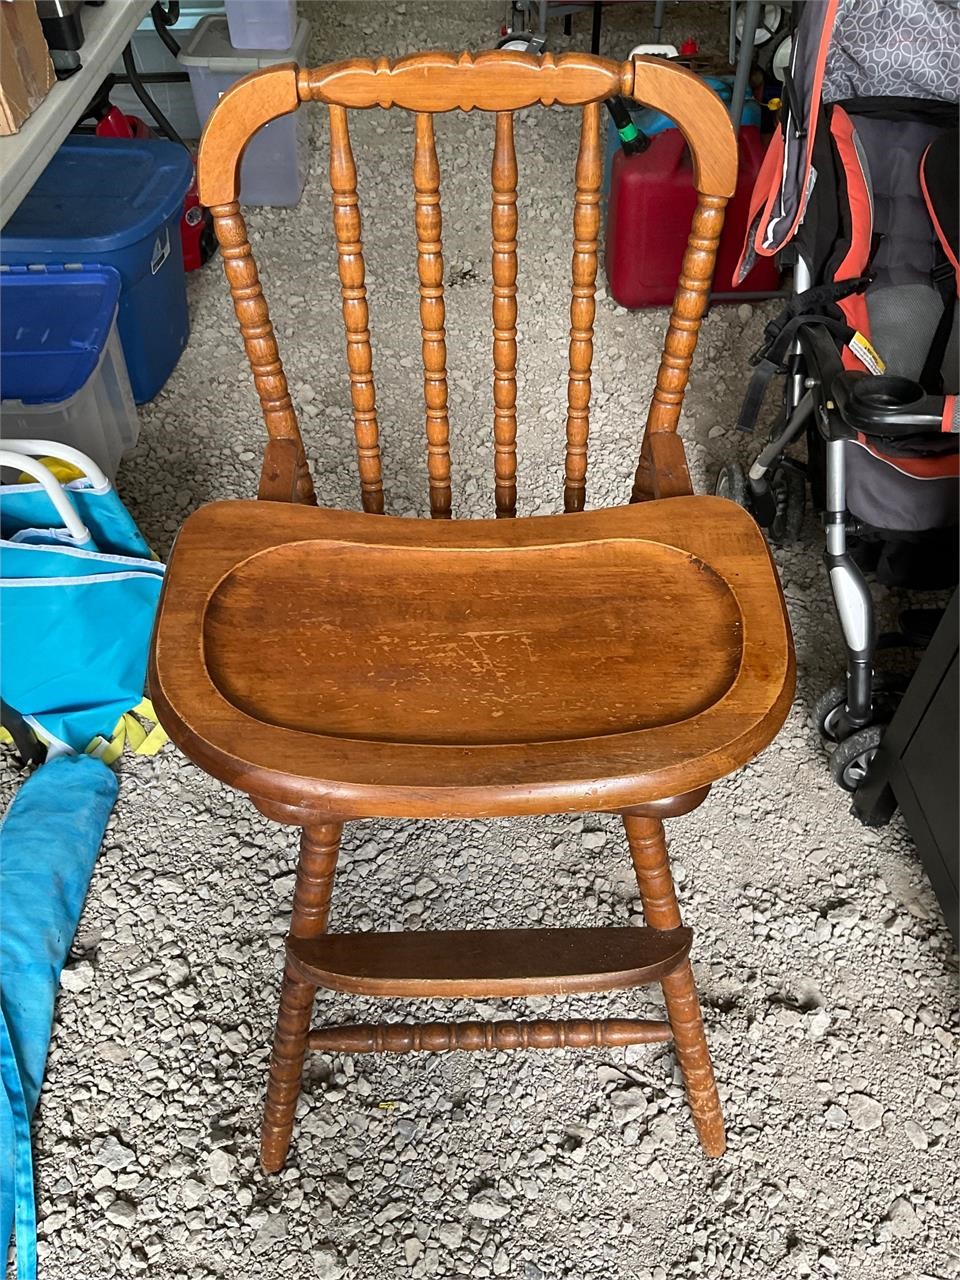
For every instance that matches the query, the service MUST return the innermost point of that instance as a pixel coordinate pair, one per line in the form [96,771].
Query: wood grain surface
[504,1034]
[668,614]
[353,292]
[494,80]
[376,645]
[489,963]
[648,849]
[504,230]
[319,851]
[583,308]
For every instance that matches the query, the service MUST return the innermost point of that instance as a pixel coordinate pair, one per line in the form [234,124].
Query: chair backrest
[501,82]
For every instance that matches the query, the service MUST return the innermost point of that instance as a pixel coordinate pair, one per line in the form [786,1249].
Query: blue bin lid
[98,195]
[53,326]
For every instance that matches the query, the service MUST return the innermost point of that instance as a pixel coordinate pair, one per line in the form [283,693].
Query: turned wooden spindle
[689,305]
[346,226]
[586,229]
[500,82]
[428,219]
[285,476]
[319,849]
[648,848]
[504,227]
[439,1037]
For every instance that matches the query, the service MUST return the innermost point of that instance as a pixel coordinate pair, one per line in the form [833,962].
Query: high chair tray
[338,660]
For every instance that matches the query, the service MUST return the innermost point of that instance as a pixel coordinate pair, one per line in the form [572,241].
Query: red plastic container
[651,203]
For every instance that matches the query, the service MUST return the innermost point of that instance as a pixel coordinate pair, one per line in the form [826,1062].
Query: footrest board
[489,962]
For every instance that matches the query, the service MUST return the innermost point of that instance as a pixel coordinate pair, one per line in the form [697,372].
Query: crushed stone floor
[826,972]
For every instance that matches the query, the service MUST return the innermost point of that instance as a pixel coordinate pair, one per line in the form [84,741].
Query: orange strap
[951,419]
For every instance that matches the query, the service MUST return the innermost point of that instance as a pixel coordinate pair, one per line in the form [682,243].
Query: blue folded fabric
[112,529]
[48,846]
[75,617]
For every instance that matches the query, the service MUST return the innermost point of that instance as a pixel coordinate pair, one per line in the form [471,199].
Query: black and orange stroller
[859,193]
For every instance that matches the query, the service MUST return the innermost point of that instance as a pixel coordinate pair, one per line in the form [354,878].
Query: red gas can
[651,203]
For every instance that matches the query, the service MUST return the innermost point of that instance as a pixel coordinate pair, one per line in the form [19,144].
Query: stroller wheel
[522,44]
[732,484]
[827,711]
[852,758]
[790,495]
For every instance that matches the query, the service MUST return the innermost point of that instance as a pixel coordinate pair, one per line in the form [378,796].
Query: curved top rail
[495,80]
[498,82]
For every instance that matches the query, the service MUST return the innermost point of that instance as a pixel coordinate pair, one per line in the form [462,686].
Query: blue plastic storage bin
[117,202]
[62,372]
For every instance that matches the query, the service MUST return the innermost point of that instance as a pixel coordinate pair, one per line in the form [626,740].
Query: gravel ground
[826,972]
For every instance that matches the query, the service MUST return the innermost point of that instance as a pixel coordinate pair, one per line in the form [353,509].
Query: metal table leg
[595,30]
[751,20]
[659,9]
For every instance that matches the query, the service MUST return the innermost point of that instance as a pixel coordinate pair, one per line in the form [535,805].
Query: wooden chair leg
[648,848]
[286,1070]
[319,847]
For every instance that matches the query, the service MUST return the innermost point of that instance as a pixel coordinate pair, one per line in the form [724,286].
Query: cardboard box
[26,72]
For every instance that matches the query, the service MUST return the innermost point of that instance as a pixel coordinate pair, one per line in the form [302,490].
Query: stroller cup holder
[887,395]
[879,405]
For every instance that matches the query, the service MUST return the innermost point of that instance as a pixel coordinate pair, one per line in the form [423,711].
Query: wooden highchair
[339,665]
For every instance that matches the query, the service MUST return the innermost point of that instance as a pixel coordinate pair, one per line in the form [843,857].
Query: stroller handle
[54,491]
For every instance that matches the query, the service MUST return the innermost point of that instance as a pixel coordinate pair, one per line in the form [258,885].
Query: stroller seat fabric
[904,304]
[910,485]
[868,55]
[887,85]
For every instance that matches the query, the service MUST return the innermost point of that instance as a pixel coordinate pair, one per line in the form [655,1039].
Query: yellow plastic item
[63,471]
[130,732]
